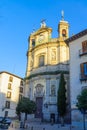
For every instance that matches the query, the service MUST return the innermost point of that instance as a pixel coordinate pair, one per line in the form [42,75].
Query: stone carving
[39,90]
[43,24]
[53,55]
[53,90]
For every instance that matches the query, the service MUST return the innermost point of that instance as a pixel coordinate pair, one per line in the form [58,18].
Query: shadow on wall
[7,107]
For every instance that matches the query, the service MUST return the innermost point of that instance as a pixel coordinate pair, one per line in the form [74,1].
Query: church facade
[47,57]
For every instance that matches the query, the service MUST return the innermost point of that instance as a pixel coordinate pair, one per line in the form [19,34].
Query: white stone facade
[49,95]
[46,59]
[10,93]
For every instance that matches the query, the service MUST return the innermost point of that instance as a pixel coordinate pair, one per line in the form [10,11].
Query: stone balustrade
[49,68]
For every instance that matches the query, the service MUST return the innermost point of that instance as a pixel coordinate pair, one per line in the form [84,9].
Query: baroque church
[47,57]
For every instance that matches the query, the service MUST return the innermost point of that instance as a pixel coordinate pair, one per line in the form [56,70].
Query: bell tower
[63,28]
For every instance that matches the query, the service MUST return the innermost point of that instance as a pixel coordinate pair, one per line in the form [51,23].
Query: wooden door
[39,104]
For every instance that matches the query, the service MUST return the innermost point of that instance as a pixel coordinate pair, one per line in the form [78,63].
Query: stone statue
[43,24]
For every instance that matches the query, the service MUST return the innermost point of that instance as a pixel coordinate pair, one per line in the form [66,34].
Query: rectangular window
[21,90]
[83,68]
[21,83]
[8,94]
[84,46]
[7,104]
[10,79]
[41,60]
[6,113]
[9,85]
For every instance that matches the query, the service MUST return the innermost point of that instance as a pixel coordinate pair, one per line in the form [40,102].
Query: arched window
[33,42]
[64,33]
[41,60]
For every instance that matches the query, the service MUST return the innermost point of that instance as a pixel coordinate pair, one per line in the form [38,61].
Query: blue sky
[19,17]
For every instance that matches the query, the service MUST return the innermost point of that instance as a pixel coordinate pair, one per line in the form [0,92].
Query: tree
[61,99]
[82,103]
[26,106]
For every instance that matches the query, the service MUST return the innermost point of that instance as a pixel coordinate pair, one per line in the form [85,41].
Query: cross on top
[62,14]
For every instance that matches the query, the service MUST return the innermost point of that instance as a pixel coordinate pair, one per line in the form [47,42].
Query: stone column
[47,88]
[31,93]
[57,84]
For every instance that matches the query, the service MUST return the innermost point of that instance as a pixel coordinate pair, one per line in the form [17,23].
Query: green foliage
[82,100]
[61,98]
[25,105]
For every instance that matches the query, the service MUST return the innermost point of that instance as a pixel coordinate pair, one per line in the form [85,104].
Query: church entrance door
[39,104]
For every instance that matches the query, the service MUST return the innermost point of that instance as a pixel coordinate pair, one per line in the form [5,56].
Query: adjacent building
[11,91]
[47,57]
[78,69]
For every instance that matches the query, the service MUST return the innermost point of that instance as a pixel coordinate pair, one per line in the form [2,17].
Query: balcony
[50,68]
[83,77]
[81,52]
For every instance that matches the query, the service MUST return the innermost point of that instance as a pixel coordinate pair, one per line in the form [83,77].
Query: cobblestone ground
[45,127]
[15,125]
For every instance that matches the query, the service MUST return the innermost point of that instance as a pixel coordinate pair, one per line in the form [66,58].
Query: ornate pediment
[42,30]
[39,90]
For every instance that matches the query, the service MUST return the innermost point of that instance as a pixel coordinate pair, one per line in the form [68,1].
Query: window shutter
[85,69]
[82,70]
[84,46]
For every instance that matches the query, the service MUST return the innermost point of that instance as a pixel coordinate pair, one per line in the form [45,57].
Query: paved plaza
[44,126]
[15,125]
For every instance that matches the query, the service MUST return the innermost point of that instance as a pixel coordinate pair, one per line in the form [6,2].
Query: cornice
[74,37]
[47,45]
[44,45]
[1,72]
[46,73]
[41,30]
